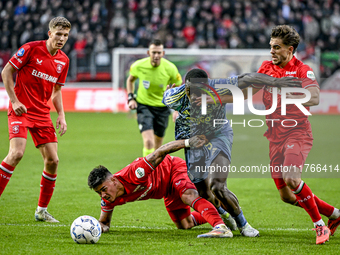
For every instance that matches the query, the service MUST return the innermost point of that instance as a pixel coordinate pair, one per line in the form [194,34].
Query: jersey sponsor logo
[145,193]
[15,129]
[44,76]
[138,188]
[140,173]
[60,62]
[310,75]
[39,62]
[146,84]
[293,72]
[59,68]
[21,52]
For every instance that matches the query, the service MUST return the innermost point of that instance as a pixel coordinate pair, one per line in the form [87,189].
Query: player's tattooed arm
[246,79]
[158,155]
[105,221]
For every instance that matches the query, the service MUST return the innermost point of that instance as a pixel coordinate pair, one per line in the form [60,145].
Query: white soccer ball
[86,229]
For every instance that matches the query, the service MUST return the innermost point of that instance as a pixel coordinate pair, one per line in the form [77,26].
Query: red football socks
[207,211]
[6,172]
[197,218]
[305,198]
[47,185]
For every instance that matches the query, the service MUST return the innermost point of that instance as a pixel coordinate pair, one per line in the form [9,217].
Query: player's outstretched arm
[105,221]
[245,80]
[158,155]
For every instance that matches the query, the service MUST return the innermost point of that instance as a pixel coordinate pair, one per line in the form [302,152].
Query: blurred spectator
[100,44]
[189,32]
[21,8]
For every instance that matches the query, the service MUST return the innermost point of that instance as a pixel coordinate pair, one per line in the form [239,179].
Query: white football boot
[43,215]
[219,231]
[249,231]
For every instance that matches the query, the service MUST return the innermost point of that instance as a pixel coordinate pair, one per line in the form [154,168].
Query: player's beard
[279,60]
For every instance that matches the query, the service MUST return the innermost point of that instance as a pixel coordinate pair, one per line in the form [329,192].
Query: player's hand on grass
[197,141]
[19,108]
[61,124]
[105,228]
[288,82]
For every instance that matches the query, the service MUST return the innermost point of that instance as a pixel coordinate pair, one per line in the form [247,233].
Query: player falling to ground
[154,74]
[217,153]
[41,69]
[158,176]
[289,146]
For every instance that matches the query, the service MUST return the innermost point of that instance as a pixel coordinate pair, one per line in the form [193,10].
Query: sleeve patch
[140,173]
[310,75]
[21,52]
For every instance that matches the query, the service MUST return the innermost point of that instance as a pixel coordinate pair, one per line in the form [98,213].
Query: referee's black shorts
[152,117]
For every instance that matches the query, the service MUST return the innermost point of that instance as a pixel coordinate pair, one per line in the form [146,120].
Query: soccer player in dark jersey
[158,176]
[217,153]
[41,69]
[154,74]
[290,144]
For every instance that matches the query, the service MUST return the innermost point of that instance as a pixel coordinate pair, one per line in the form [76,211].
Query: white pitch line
[145,227]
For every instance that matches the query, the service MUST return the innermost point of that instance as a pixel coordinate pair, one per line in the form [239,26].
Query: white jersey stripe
[14,65]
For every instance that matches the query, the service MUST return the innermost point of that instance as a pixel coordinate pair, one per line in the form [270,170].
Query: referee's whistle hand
[133,104]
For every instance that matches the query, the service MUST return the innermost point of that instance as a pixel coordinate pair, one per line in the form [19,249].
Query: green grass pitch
[144,227]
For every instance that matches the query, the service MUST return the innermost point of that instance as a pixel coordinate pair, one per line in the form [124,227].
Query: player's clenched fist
[197,141]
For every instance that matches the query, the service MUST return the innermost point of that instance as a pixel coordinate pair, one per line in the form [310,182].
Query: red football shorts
[42,131]
[180,182]
[291,152]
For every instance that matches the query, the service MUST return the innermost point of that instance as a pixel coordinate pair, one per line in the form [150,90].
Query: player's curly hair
[59,22]
[97,176]
[196,73]
[288,34]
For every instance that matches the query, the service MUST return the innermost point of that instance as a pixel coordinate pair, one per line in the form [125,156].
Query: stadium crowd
[104,24]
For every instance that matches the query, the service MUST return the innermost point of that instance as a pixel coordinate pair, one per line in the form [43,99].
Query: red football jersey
[38,71]
[142,181]
[276,130]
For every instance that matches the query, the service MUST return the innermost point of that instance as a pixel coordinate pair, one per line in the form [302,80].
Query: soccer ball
[85,229]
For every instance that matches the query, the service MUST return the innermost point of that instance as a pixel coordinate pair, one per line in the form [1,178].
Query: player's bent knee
[189,196]
[292,183]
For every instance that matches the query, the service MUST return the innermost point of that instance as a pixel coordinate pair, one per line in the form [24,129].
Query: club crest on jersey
[15,129]
[39,62]
[140,172]
[21,52]
[59,68]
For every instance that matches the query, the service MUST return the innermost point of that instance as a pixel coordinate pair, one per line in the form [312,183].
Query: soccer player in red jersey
[290,144]
[41,69]
[158,176]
